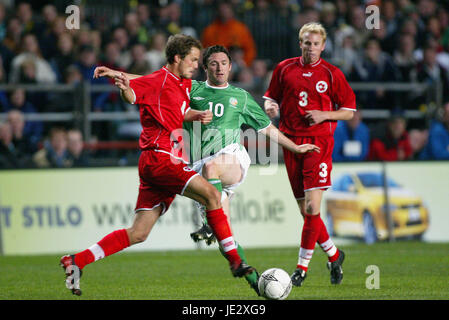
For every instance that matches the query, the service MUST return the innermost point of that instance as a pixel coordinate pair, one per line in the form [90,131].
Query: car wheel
[369,229]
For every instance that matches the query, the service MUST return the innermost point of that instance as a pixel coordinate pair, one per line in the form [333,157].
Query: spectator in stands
[66,101]
[2,22]
[345,52]
[9,158]
[13,35]
[54,154]
[391,143]
[438,144]
[121,37]
[48,39]
[357,21]
[156,54]
[144,16]
[227,31]
[431,72]
[260,70]
[64,55]
[404,56]
[18,101]
[352,139]
[75,146]
[418,142]
[139,63]
[87,65]
[20,138]
[31,52]
[133,27]
[270,32]
[24,12]
[375,66]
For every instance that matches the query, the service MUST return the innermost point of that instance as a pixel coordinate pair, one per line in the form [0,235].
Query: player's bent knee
[213,197]
[209,169]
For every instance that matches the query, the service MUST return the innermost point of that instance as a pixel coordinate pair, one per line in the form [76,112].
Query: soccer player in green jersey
[215,149]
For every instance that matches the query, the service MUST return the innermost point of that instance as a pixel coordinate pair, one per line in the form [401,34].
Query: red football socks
[110,244]
[218,221]
[314,230]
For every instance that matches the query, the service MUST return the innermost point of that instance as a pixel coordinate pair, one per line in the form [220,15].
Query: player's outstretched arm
[195,115]
[277,136]
[103,71]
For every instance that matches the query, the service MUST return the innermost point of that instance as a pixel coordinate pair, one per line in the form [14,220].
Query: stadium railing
[83,117]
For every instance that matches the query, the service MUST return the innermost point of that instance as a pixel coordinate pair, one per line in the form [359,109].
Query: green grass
[408,270]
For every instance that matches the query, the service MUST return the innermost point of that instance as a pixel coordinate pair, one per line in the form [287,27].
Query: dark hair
[180,44]
[215,49]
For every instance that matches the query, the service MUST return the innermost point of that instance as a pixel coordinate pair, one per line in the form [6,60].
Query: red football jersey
[163,100]
[298,87]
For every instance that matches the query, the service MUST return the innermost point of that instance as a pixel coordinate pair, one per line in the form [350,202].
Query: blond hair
[313,27]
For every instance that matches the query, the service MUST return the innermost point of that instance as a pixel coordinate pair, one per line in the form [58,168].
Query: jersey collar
[301,61]
[214,87]
[171,73]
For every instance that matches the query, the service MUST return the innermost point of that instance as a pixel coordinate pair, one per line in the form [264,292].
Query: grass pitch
[407,270]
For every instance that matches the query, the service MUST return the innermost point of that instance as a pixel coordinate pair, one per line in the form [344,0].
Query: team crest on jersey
[321,86]
[233,102]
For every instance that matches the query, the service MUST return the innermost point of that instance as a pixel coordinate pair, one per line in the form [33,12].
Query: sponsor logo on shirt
[308,74]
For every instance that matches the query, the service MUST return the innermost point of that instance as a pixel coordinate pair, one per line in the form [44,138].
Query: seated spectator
[87,64]
[391,143]
[430,71]
[9,156]
[66,101]
[139,65]
[351,140]
[228,31]
[64,55]
[375,66]
[54,154]
[438,145]
[21,140]
[156,54]
[418,141]
[18,101]
[75,147]
[31,52]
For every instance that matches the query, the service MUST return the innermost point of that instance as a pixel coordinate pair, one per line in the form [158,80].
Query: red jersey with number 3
[163,100]
[298,87]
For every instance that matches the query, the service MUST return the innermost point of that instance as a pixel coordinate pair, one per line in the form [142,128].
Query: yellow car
[356,208]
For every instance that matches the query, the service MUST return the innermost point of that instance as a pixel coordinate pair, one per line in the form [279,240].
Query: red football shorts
[162,177]
[311,170]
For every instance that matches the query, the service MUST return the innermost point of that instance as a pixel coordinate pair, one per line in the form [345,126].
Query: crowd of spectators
[411,45]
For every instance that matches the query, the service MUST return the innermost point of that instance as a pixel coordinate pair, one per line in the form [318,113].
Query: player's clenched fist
[303,148]
[271,108]
[121,81]
[206,117]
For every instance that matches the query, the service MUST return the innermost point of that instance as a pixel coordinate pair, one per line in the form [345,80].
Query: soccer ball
[275,284]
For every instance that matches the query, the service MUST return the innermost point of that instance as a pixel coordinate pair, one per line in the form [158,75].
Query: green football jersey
[231,107]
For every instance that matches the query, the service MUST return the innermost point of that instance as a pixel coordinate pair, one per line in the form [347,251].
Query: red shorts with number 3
[162,177]
[311,170]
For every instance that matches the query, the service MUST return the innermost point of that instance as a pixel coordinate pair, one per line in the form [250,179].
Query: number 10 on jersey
[217,109]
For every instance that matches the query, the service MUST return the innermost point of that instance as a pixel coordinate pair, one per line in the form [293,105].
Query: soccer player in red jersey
[311,95]
[163,99]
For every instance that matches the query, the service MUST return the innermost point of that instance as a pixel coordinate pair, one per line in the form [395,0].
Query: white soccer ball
[275,284]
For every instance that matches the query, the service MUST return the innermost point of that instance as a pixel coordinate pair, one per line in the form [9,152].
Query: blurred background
[54,114]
